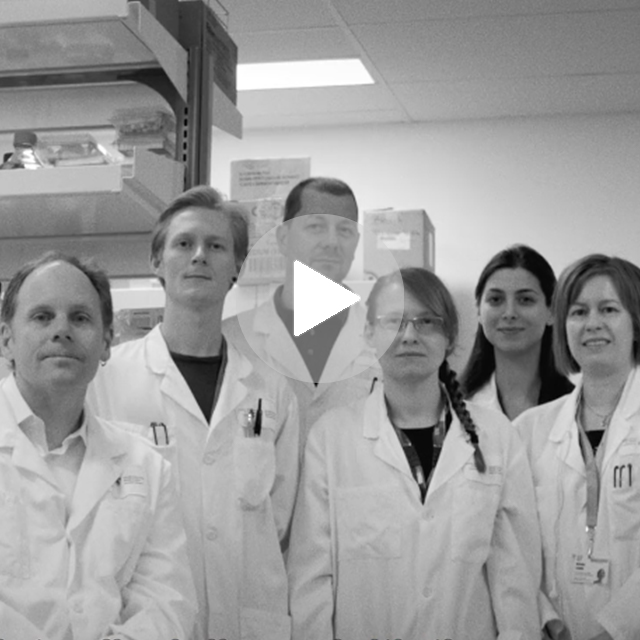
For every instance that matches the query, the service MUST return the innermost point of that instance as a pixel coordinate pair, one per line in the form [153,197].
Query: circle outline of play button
[316,298]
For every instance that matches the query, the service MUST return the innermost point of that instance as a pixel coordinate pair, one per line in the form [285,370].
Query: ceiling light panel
[302,74]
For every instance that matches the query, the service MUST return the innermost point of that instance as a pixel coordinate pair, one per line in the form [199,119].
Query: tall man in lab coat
[91,544]
[329,365]
[229,425]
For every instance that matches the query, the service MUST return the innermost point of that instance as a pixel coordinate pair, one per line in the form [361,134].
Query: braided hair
[430,291]
[450,381]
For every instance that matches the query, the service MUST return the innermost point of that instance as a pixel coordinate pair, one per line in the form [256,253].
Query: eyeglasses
[424,325]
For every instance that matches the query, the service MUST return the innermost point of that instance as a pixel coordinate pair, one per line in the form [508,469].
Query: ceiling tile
[295,107]
[605,42]
[301,44]
[389,11]
[301,120]
[519,97]
[331,99]
[276,15]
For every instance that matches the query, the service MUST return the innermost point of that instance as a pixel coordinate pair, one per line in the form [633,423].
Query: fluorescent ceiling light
[302,73]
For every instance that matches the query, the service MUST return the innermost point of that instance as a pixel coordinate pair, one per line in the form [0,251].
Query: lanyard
[439,432]
[592,464]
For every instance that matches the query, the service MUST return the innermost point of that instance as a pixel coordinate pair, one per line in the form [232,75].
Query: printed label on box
[268,178]
[262,186]
[394,241]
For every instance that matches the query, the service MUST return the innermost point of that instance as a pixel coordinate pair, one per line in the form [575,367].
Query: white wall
[567,186]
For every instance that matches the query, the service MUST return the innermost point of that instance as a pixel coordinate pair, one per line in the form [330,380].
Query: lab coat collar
[629,404]
[238,377]
[564,433]
[102,465]
[350,348]
[172,383]
[565,421]
[156,352]
[378,427]
[566,429]
[487,395]
[456,451]
[621,421]
[278,343]
[24,453]
[349,351]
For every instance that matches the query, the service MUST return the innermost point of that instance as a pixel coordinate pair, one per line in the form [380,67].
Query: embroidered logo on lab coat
[132,482]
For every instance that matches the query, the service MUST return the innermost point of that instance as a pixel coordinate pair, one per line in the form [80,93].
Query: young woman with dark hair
[511,367]
[416,516]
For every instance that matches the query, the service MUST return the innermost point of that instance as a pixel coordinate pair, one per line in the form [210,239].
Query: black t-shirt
[201,374]
[422,441]
[595,438]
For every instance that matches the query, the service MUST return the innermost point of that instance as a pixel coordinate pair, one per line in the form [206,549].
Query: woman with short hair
[584,450]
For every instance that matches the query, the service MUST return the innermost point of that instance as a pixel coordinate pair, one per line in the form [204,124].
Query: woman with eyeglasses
[415,517]
[584,451]
[511,367]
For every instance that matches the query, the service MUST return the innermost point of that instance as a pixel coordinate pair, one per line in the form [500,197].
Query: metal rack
[70,64]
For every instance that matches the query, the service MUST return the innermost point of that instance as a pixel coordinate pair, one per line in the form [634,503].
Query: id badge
[589,570]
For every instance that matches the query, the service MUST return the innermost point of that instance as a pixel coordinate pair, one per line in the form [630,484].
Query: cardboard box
[395,239]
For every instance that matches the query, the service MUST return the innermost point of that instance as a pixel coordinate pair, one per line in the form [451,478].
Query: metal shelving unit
[71,63]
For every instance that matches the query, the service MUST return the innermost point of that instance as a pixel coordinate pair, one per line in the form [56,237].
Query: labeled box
[394,239]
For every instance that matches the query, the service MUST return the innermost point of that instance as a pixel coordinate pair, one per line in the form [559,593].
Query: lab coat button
[428,515]
[212,534]
[427,592]
[77,607]
[209,458]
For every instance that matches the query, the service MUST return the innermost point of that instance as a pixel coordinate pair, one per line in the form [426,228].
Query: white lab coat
[369,560]
[551,436]
[237,493]
[347,376]
[117,568]
[487,395]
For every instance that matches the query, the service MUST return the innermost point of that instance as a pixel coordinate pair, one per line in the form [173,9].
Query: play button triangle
[316,298]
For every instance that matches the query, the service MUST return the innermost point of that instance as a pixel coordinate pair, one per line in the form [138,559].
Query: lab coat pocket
[369,522]
[475,503]
[170,453]
[13,536]
[256,624]
[255,470]
[624,490]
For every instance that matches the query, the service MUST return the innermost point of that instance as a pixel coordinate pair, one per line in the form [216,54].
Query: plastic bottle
[25,155]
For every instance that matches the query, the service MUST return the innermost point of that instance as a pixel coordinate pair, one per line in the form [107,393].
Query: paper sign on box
[395,239]
[262,185]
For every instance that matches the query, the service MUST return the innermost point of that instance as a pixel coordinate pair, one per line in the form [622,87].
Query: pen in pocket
[257,425]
